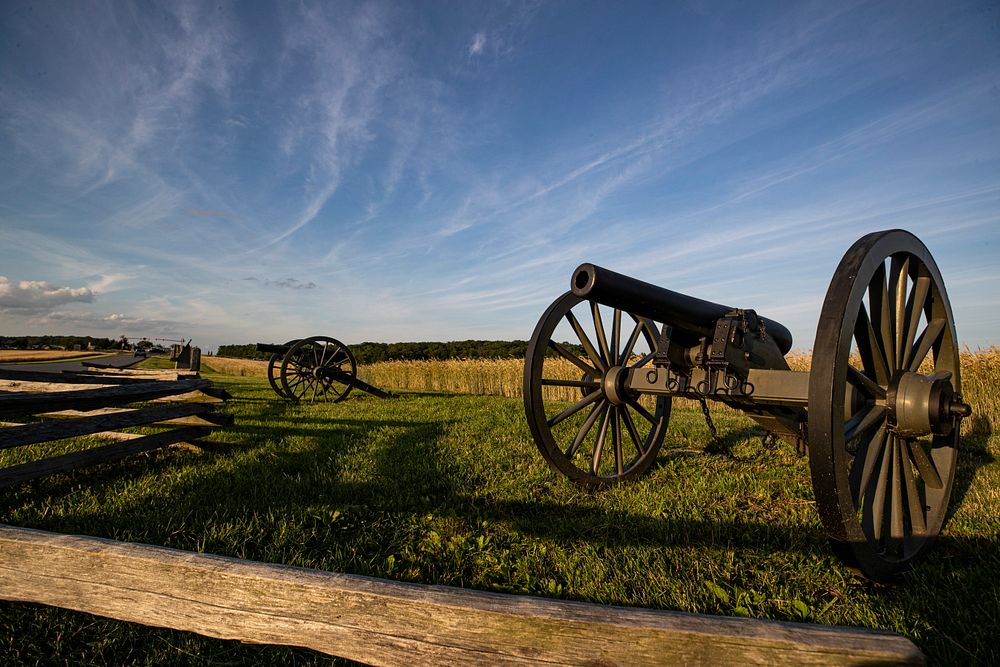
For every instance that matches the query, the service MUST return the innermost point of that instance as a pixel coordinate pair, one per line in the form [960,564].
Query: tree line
[370,353]
[57,342]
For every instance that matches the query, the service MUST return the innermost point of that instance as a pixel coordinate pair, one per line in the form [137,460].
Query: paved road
[117,360]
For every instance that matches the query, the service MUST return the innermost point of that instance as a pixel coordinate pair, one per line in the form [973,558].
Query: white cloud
[113,322]
[38,295]
[477,44]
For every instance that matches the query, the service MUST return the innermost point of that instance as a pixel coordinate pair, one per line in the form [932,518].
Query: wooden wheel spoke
[867,456]
[644,360]
[928,471]
[297,381]
[898,271]
[862,421]
[863,382]
[588,347]
[584,429]
[616,332]
[602,434]
[616,441]
[630,344]
[914,503]
[633,432]
[576,407]
[573,359]
[914,309]
[929,337]
[301,389]
[896,516]
[642,411]
[881,484]
[878,304]
[602,341]
[869,348]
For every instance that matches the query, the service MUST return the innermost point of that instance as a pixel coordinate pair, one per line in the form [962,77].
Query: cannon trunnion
[879,410]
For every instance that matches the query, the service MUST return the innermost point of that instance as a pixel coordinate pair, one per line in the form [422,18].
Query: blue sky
[434,171]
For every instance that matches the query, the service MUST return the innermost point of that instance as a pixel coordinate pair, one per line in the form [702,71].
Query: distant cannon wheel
[884,404]
[318,369]
[273,369]
[591,428]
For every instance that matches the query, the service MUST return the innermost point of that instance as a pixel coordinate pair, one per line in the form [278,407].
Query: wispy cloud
[477,44]
[284,283]
[432,171]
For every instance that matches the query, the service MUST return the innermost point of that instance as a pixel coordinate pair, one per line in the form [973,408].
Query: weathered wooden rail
[382,622]
[57,398]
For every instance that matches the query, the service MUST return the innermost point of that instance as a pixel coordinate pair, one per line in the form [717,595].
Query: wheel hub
[612,384]
[921,405]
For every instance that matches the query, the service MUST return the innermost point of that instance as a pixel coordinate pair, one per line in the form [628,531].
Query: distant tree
[372,353]
[243,351]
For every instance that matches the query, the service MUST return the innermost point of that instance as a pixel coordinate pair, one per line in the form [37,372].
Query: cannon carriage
[879,410]
[316,369]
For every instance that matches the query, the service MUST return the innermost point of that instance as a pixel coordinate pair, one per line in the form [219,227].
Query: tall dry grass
[238,367]
[19,356]
[503,377]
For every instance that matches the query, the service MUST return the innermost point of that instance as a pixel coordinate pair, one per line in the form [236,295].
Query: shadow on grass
[342,492]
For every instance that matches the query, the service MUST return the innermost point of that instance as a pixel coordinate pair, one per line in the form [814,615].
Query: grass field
[445,488]
[40,356]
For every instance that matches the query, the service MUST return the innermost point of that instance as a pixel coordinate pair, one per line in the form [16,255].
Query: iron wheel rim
[299,376]
[882,497]
[620,425]
[274,370]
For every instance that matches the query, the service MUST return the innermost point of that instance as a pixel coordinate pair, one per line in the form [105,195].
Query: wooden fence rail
[382,622]
[71,412]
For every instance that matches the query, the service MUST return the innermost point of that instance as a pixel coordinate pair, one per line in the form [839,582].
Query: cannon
[319,368]
[879,411]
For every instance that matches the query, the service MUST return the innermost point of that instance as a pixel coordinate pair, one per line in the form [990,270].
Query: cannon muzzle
[682,312]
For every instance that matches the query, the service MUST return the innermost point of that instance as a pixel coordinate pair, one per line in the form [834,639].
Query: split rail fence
[43,407]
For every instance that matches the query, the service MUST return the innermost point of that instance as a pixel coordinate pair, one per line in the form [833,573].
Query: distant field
[503,377]
[15,356]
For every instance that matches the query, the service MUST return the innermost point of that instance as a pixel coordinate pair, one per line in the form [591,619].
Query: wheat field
[504,377]
[22,356]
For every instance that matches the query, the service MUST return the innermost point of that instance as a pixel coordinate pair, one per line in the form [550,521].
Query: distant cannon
[319,368]
[879,410]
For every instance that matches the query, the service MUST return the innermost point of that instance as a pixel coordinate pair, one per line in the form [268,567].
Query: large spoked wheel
[584,420]
[318,369]
[884,405]
[274,368]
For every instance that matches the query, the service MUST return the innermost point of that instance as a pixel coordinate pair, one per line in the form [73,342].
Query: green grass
[450,489]
[156,362]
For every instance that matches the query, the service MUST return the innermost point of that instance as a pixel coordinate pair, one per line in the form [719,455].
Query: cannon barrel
[682,312]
